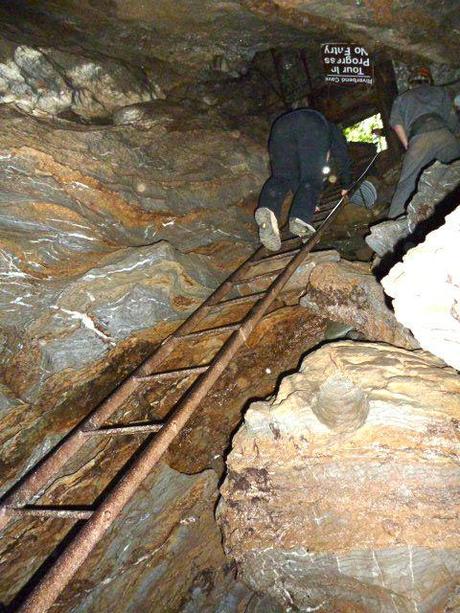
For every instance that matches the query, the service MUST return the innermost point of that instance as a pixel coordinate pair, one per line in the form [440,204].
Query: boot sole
[303,232]
[269,233]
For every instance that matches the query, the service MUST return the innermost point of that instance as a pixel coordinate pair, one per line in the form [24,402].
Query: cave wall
[133,149]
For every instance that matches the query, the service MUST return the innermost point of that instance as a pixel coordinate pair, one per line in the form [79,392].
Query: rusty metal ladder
[19,502]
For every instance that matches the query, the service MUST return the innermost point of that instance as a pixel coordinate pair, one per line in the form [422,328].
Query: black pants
[298,147]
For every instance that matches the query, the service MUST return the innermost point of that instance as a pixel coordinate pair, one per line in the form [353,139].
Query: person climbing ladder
[300,144]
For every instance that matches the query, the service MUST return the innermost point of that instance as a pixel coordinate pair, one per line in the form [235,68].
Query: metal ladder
[19,501]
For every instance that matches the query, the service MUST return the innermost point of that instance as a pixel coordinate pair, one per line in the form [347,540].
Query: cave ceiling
[203,37]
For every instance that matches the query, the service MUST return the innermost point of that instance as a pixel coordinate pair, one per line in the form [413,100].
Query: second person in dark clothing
[299,147]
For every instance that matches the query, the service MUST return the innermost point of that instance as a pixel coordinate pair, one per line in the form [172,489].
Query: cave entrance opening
[368,130]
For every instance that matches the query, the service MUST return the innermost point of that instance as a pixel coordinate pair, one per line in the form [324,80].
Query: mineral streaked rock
[153,554]
[28,432]
[347,292]
[66,211]
[119,186]
[359,519]
[425,288]
[131,290]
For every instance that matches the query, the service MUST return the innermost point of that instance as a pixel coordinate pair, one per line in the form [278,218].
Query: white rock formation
[425,288]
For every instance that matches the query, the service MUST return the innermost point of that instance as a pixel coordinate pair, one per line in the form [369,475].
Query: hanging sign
[347,64]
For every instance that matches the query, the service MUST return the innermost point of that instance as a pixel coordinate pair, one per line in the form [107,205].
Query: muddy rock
[341,488]
[348,293]
[28,432]
[153,552]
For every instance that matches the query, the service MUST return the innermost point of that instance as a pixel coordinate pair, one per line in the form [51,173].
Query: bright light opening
[368,130]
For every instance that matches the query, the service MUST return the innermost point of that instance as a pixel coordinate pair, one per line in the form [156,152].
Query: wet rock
[29,432]
[347,292]
[425,288]
[341,492]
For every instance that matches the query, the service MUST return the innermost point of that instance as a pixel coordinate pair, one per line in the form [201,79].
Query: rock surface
[348,293]
[204,37]
[153,552]
[131,291]
[84,264]
[29,431]
[48,81]
[425,288]
[342,490]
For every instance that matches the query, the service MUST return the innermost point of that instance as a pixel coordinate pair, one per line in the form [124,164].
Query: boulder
[425,288]
[348,293]
[342,489]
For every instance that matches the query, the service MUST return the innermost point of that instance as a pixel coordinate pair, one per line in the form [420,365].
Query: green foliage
[362,132]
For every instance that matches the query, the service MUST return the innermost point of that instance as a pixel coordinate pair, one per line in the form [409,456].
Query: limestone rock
[49,81]
[342,490]
[425,288]
[348,293]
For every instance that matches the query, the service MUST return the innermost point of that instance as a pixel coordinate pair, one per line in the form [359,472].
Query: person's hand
[344,192]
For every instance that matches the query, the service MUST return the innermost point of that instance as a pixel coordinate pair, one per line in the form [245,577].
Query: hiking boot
[300,228]
[269,233]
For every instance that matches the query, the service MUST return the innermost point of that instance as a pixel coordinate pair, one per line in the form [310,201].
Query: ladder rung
[218,330]
[278,256]
[265,275]
[121,430]
[59,513]
[173,374]
[241,299]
